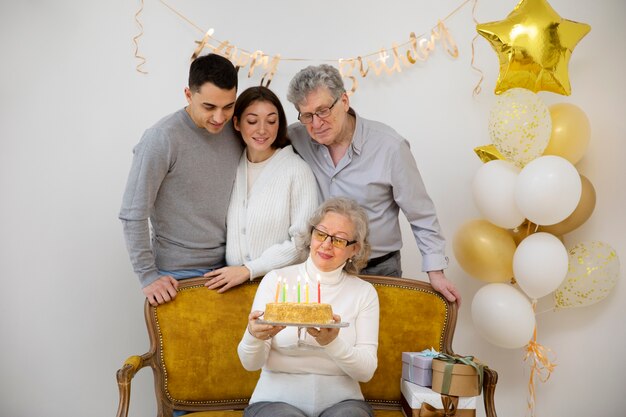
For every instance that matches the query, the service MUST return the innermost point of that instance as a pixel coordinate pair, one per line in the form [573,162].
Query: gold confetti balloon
[593,272]
[534,45]
[520,126]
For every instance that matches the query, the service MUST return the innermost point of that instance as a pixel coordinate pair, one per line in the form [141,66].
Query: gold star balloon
[534,45]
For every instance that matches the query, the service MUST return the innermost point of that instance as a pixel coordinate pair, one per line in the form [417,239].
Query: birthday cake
[305,313]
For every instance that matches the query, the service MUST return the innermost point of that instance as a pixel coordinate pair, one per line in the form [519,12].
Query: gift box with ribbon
[417,366]
[457,375]
[418,401]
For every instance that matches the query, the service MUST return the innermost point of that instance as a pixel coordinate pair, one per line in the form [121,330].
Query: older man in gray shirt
[371,163]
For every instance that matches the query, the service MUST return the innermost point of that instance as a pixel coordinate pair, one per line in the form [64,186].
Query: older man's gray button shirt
[380,173]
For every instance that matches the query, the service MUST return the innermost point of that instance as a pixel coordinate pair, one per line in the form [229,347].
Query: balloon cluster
[529,190]
[531,194]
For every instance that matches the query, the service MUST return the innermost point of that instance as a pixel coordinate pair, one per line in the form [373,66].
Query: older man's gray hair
[310,79]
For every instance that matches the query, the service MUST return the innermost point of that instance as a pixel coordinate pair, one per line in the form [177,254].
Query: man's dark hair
[214,69]
[260,93]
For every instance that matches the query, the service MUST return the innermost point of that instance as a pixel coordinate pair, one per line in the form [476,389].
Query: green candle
[298,288]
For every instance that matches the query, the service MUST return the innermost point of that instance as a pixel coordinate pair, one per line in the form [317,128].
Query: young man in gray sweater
[180,183]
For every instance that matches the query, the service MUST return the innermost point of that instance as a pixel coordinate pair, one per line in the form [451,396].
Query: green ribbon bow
[450,362]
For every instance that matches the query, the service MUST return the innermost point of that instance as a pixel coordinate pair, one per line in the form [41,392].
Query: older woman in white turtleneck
[322,377]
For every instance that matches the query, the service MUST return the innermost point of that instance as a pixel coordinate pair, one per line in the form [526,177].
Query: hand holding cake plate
[318,315]
[316,318]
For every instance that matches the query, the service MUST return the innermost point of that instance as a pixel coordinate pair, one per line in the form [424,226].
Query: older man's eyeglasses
[337,242]
[306,118]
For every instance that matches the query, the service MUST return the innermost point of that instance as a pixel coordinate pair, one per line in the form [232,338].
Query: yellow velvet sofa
[193,348]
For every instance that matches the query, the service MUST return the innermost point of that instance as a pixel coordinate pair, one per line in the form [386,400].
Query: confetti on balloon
[592,274]
[520,126]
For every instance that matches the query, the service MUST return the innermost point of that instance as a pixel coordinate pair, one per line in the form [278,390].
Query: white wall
[72,107]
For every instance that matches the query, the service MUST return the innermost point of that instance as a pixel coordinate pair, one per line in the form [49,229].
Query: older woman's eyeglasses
[337,242]
[306,118]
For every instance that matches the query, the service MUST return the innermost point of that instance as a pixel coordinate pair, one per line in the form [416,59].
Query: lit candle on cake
[319,289]
[298,288]
[306,289]
[285,291]
[277,289]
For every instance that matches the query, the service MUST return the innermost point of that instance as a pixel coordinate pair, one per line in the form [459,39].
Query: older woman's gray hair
[310,79]
[357,215]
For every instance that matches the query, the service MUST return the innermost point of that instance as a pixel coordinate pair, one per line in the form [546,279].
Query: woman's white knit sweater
[261,226]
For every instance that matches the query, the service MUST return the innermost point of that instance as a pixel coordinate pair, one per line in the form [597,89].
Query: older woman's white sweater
[261,226]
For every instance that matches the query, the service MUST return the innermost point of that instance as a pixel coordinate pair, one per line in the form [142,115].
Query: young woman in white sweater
[274,194]
[320,378]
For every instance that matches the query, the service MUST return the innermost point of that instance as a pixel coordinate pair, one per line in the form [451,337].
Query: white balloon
[548,190]
[503,315]
[494,193]
[540,264]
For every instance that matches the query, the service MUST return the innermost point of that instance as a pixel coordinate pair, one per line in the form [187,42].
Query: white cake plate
[318,325]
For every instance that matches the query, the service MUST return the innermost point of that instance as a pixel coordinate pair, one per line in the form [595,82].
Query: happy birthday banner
[383,61]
